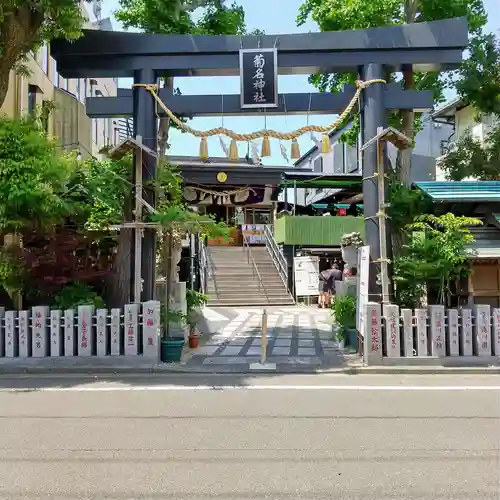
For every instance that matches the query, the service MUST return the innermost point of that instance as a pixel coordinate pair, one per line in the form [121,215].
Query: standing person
[335,275]
[327,284]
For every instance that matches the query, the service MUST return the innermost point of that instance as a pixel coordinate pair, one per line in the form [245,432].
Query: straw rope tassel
[284,136]
[233,151]
[295,150]
[326,145]
[203,148]
[266,147]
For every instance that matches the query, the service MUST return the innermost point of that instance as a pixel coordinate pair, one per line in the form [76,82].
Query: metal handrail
[255,268]
[277,256]
[208,267]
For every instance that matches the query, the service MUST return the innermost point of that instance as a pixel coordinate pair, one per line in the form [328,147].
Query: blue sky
[274,17]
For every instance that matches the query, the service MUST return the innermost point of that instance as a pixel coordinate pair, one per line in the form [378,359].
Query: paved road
[239,438]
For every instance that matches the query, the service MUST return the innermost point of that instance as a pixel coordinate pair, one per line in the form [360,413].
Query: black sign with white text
[259,78]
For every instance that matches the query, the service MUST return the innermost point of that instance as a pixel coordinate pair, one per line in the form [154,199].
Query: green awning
[466,191]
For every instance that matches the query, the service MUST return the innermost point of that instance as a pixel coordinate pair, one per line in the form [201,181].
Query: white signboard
[306,274]
[363,276]
[254,233]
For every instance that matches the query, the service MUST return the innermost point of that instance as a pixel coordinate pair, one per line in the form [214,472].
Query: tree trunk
[164,127]
[19,31]
[118,284]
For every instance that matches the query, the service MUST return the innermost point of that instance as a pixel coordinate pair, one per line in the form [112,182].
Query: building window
[55,74]
[31,98]
[63,83]
[94,130]
[318,164]
[83,90]
[106,132]
[45,59]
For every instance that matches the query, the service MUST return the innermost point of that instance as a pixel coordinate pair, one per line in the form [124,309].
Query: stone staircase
[235,282]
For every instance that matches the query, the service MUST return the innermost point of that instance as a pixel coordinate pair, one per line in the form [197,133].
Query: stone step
[249,302]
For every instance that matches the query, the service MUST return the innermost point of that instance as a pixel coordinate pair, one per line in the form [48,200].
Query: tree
[479,78]
[479,85]
[25,26]
[33,178]
[338,15]
[435,257]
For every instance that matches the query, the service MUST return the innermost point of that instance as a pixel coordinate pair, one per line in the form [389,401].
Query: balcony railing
[316,230]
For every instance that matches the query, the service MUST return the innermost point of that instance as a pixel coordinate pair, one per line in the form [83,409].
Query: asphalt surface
[250,438]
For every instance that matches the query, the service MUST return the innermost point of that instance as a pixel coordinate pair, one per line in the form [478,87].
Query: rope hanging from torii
[266,133]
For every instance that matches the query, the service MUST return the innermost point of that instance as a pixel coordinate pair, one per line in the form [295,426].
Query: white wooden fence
[435,332]
[42,332]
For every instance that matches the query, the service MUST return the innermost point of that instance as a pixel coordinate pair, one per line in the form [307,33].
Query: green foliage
[173,212]
[479,85]
[405,204]
[33,177]
[12,273]
[345,312]
[435,256]
[77,294]
[195,299]
[473,158]
[479,79]
[25,26]
[176,16]
[339,15]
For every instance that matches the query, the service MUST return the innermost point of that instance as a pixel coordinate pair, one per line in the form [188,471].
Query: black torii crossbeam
[371,53]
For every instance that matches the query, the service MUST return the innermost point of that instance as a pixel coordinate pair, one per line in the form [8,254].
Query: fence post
[25,334]
[422,336]
[9,345]
[483,330]
[85,331]
[131,316]
[115,332]
[69,333]
[466,344]
[392,331]
[3,333]
[101,332]
[151,329]
[496,332]
[407,316]
[452,337]
[55,333]
[40,339]
[372,335]
[437,334]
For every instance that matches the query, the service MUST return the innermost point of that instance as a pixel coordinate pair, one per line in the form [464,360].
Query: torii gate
[432,46]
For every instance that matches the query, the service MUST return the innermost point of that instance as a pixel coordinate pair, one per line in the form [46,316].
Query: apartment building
[344,159]
[65,99]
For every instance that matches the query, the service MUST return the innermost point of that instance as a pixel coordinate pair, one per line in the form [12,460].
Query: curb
[165,370]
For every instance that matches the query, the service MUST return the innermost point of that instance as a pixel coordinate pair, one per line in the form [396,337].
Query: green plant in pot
[171,347]
[195,301]
[345,317]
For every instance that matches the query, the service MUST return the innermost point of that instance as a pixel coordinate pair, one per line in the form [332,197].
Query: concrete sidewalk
[139,365]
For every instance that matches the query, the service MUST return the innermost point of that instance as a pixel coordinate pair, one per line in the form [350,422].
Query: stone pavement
[297,337]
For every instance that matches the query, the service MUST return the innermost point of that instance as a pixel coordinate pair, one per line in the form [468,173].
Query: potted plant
[171,347]
[349,244]
[195,301]
[345,317]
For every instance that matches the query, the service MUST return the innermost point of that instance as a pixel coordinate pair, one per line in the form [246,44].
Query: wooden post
[384,270]
[138,218]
